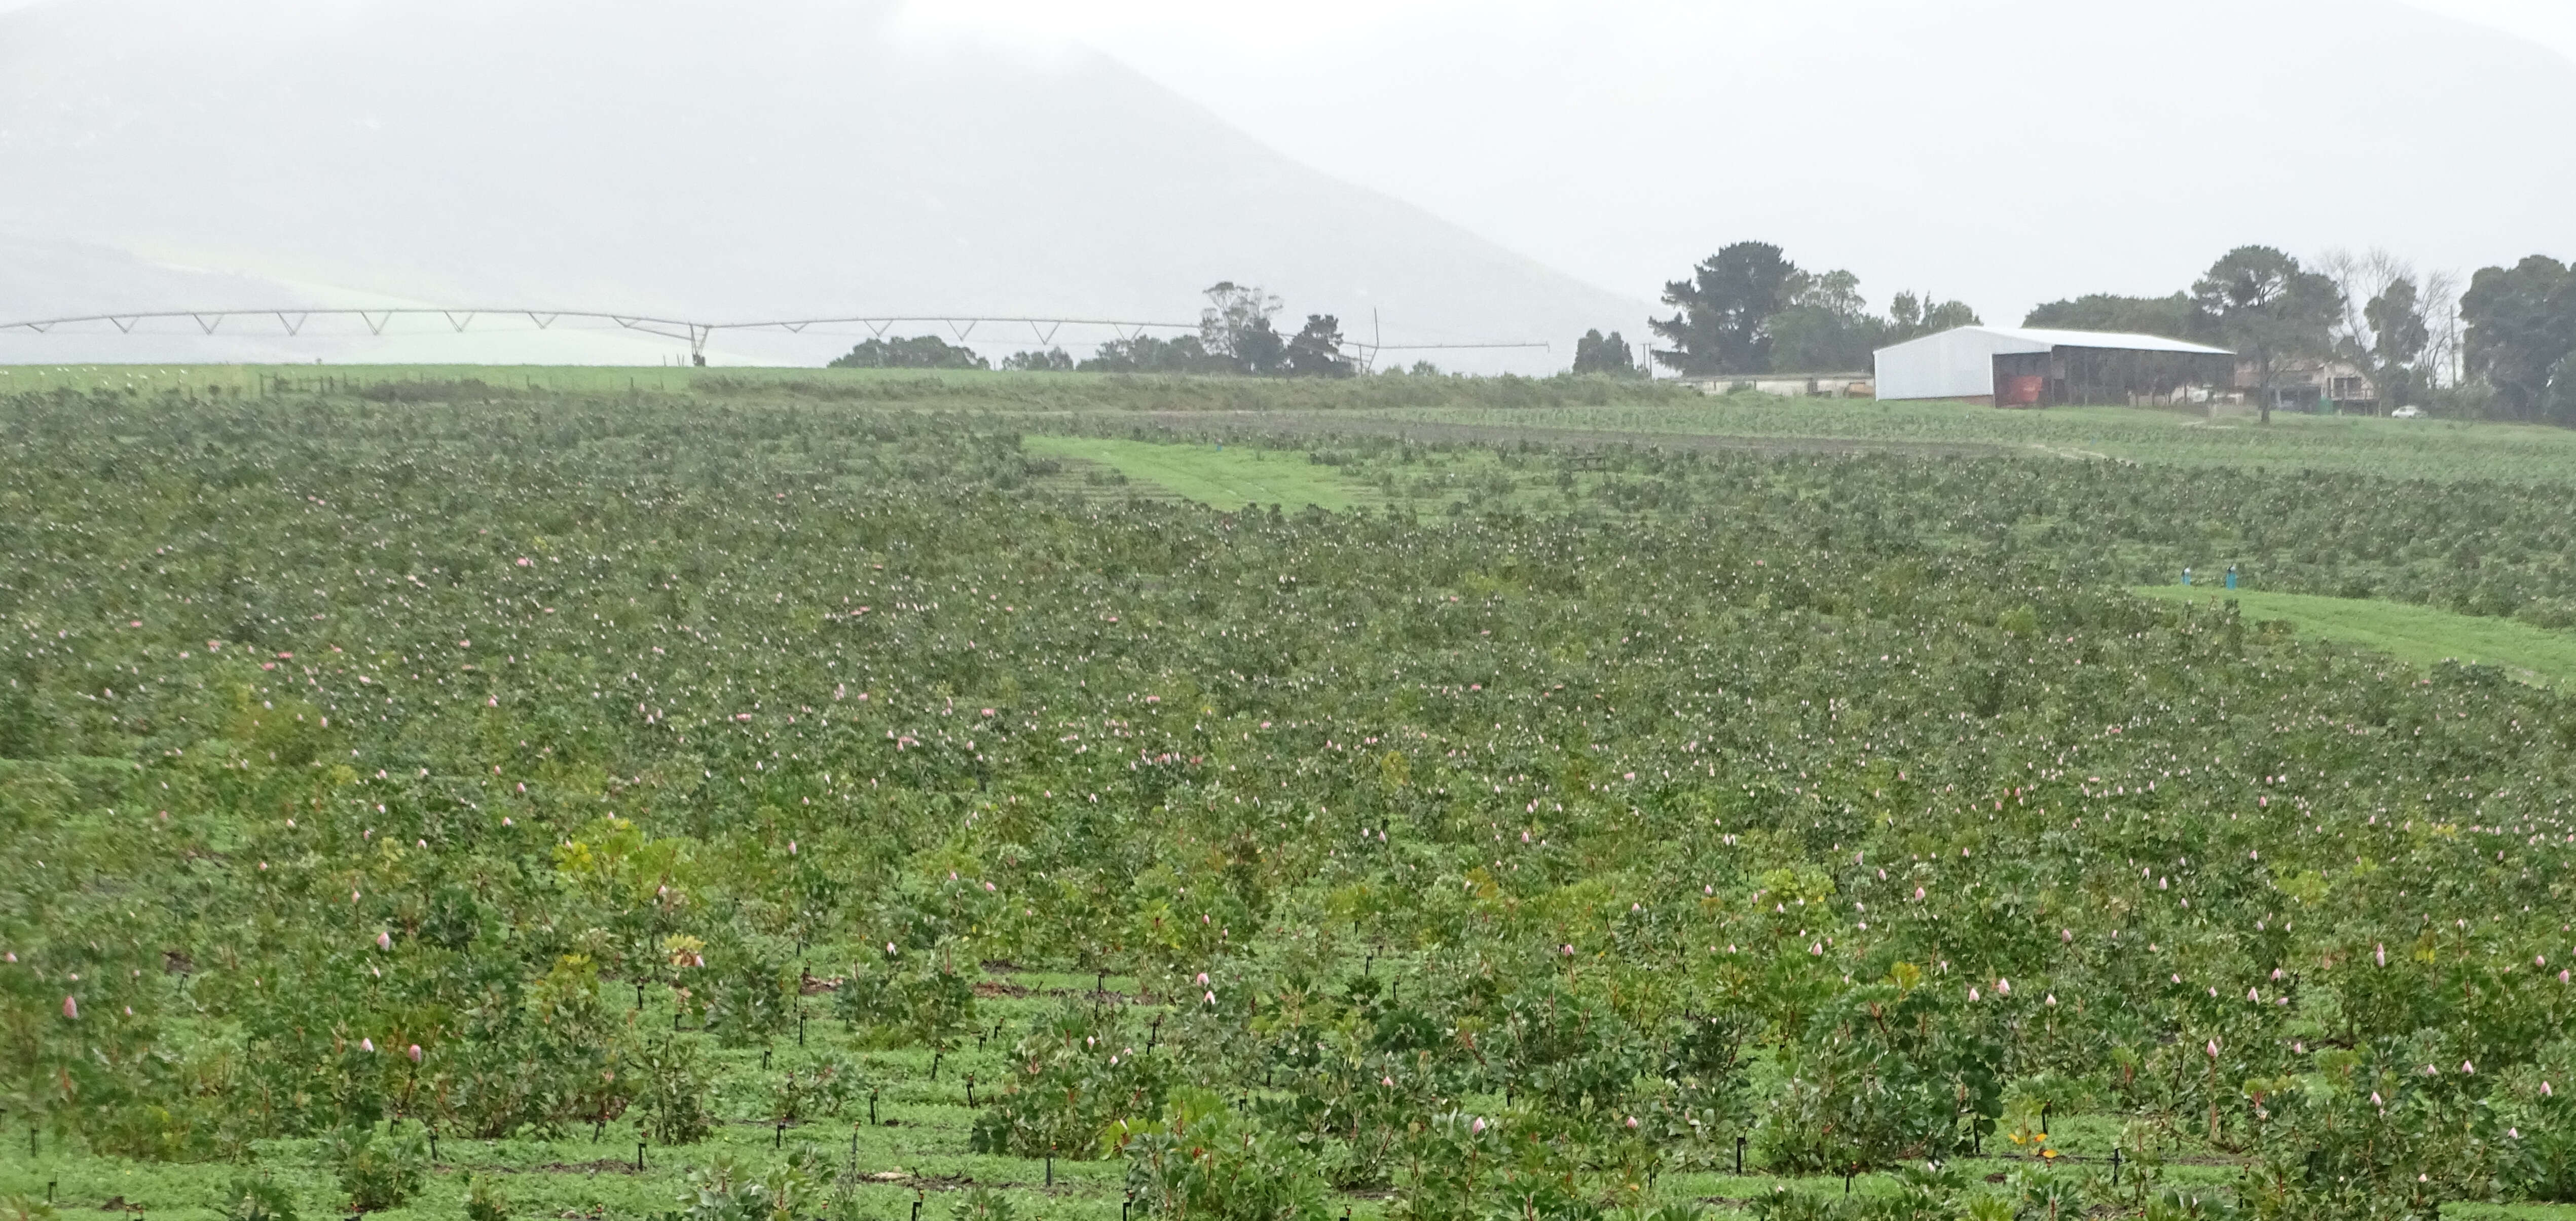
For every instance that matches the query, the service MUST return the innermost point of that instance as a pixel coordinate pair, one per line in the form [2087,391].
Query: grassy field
[1561,411]
[1210,474]
[2421,635]
[2433,450]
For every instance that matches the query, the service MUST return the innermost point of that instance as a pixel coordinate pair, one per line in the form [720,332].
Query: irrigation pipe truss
[292,323]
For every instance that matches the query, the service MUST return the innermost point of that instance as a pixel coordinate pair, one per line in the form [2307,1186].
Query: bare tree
[2441,296]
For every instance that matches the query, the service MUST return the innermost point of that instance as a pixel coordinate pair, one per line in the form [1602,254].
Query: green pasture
[2421,635]
[2292,445]
[1210,474]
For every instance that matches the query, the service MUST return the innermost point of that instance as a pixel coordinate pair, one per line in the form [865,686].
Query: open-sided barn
[2035,367]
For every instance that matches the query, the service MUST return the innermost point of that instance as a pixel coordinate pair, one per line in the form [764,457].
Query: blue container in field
[2186,576]
[2231,576]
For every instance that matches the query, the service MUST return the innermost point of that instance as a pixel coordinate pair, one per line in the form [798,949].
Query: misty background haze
[1516,171]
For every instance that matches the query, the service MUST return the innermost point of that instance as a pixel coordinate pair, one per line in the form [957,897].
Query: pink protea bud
[71,1008]
[2003,987]
[1973,995]
[2380,952]
[1388,1082]
[384,941]
[1203,979]
[2467,1069]
[367,1045]
[2066,936]
[2212,1049]
[1211,998]
[1478,1126]
[414,1052]
[1632,1123]
[2544,1089]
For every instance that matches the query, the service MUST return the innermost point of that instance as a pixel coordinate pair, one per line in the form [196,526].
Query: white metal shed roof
[1959,362]
[2044,338]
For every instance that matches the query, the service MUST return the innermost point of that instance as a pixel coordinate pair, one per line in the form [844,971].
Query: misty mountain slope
[780,158]
[2005,151]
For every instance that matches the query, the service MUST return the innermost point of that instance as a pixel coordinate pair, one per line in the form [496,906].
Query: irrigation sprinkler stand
[1739,1157]
[639,1157]
[2115,1167]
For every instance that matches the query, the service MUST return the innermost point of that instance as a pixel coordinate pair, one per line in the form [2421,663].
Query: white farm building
[2007,366]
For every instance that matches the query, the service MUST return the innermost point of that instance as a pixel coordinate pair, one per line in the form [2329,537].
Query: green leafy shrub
[256,1198]
[1071,1081]
[377,1169]
[485,1201]
[1203,1160]
[823,1086]
[671,1092]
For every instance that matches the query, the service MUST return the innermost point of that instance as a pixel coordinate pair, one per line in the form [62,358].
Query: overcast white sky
[1487,112]
[1148,32]
[1618,141]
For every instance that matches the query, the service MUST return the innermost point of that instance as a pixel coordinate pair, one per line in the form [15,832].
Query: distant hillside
[2006,152]
[779,157]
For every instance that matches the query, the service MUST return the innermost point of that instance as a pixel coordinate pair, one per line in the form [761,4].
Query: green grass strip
[2420,635]
[1212,475]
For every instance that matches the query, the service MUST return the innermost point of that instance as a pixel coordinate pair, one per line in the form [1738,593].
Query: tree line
[1748,309]
[2503,348]
[1236,337]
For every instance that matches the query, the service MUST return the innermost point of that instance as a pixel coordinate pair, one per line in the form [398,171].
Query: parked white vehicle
[2406,413]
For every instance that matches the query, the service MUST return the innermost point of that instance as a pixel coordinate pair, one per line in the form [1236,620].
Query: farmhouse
[2006,366]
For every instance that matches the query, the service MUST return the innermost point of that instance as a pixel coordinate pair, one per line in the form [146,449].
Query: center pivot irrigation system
[296,323]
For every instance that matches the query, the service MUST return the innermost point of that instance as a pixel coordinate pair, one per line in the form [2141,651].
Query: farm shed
[2006,366]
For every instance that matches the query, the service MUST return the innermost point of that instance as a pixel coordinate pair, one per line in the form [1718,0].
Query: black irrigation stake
[916,1206]
[2115,1167]
[1739,1157]
[2043,1119]
[778,1139]
[1050,1166]
[639,1157]
[934,1065]
[872,1106]
[49,1191]
[433,1146]
[970,1089]
[800,1027]
[764,1059]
